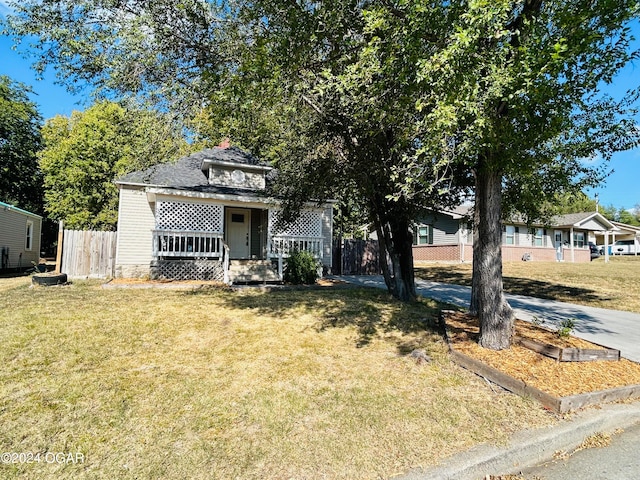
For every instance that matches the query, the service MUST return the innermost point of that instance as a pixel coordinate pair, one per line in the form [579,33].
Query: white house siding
[592,224]
[135,224]
[445,229]
[13,234]
[525,237]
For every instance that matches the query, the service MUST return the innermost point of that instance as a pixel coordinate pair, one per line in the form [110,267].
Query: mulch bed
[560,379]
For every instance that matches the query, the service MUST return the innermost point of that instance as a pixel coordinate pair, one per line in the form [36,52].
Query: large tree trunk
[396,258]
[494,313]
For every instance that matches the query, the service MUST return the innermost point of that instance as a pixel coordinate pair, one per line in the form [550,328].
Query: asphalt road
[618,461]
[611,328]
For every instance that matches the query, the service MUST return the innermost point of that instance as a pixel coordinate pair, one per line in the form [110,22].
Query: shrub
[566,327]
[300,268]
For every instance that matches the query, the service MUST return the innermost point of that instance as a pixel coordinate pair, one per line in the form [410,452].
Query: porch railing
[187,243]
[281,245]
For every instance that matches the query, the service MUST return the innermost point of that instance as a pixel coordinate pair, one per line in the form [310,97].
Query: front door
[238,230]
[557,243]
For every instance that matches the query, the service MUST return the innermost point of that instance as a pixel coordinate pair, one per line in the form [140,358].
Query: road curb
[530,447]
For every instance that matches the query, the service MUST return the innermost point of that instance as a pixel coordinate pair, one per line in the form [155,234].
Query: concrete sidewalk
[531,447]
[611,328]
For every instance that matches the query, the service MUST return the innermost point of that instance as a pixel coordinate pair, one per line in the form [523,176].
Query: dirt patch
[556,378]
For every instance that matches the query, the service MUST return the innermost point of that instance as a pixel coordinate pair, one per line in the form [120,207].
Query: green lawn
[614,285]
[219,384]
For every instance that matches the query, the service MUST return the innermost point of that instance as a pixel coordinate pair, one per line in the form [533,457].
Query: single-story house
[207,217]
[19,238]
[447,236]
[629,235]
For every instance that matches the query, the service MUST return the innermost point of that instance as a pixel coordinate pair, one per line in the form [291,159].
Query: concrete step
[249,271]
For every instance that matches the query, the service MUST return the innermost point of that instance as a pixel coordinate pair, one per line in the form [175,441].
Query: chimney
[225,143]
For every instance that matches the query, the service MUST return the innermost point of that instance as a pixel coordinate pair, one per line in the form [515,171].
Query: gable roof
[585,220]
[628,228]
[189,172]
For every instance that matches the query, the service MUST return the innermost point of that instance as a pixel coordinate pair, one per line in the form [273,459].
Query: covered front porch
[228,242]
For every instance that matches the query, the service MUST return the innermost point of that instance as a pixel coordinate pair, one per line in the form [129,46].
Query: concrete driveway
[611,328]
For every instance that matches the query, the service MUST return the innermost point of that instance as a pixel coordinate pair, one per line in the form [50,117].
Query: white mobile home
[19,238]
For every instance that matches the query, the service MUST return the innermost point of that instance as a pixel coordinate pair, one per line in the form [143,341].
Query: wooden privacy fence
[88,253]
[356,257]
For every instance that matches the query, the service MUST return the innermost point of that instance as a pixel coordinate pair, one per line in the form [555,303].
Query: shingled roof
[186,172]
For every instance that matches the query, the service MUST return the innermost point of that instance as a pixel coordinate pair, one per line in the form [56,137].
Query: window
[423,235]
[237,217]
[510,235]
[538,237]
[29,235]
[578,239]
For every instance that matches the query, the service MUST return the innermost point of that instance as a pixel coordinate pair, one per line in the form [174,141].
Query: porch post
[606,246]
[573,252]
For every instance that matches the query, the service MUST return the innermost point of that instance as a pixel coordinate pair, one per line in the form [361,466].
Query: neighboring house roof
[189,172]
[626,228]
[584,220]
[7,206]
[592,221]
[460,211]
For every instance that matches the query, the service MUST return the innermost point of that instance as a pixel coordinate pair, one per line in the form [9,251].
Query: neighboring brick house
[446,236]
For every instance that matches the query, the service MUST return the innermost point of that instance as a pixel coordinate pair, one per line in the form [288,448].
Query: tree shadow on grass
[516,285]
[550,291]
[443,274]
[371,312]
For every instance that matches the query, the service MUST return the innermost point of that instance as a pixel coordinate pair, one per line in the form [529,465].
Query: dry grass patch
[614,285]
[218,384]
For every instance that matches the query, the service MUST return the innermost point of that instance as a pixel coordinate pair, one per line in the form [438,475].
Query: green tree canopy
[84,154]
[406,104]
[20,180]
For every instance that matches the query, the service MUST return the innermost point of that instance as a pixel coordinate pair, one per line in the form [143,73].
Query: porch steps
[252,271]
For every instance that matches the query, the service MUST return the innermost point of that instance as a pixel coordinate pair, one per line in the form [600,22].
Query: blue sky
[621,189]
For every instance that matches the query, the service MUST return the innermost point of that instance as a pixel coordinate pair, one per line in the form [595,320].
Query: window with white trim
[29,236]
[538,237]
[578,239]
[510,235]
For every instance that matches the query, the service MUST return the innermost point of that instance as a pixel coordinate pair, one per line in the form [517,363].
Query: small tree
[83,155]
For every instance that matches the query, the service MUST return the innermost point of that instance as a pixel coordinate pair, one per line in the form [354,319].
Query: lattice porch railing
[185,243]
[283,245]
